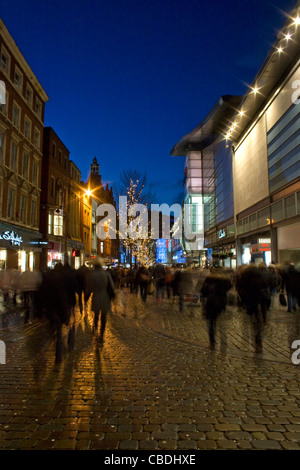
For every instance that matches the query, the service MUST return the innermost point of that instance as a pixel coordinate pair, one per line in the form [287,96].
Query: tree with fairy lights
[138,242]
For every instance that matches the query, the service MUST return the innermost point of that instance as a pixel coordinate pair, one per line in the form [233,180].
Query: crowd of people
[55,292]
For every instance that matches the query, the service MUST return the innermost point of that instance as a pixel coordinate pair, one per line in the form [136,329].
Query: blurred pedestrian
[143,279]
[82,274]
[100,285]
[214,297]
[250,285]
[291,283]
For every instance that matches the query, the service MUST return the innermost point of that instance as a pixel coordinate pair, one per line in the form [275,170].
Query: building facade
[209,187]
[21,139]
[54,199]
[107,248]
[265,139]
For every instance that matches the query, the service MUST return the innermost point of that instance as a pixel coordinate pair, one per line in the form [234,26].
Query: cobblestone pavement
[153,384]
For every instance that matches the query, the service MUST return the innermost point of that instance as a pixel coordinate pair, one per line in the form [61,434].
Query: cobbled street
[154,383]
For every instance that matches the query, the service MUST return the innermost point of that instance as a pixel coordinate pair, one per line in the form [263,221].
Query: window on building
[52,186]
[25,166]
[53,149]
[58,225]
[36,139]
[14,156]
[34,172]
[38,107]
[50,222]
[10,203]
[290,206]
[5,60]
[27,128]
[33,213]
[60,157]
[28,94]
[18,79]
[3,97]
[2,137]
[16,115]
[23,202]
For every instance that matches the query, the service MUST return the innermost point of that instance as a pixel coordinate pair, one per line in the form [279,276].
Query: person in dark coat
[291,283]
[82,274]
[143,279]
[214,297]
[101,287]
[250,287]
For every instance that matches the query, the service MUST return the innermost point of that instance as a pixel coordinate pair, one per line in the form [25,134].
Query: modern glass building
[208,184]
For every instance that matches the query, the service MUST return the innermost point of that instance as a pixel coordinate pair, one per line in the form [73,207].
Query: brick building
[21,138]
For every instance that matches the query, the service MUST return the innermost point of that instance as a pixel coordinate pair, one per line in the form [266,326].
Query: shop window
[22,258]
[290,206]
[3,255]
[277,211]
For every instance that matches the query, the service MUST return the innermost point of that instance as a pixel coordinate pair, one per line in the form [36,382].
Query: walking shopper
[250,286]
[100,285]
[214,297]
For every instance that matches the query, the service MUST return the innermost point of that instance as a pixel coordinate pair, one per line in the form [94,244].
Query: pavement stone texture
[153,384]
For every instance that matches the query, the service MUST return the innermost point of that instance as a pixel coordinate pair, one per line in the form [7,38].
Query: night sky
[126,79]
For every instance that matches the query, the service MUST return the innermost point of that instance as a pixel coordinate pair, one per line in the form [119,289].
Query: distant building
[106,249]
[208,185]
[22,104]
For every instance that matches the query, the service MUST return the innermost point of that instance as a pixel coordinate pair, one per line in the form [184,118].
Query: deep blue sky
[126,79]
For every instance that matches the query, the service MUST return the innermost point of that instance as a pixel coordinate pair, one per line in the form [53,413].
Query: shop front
[221,247]
[55,253]
[19,248]
[257,249]
[288,243]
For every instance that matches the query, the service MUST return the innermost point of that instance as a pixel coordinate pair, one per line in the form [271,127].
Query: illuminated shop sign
[222,233]
[12,237]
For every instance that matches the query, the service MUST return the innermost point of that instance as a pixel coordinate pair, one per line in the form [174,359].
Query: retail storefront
[19,248]
[221,247]
[288,242]
[55,254]
[257,249]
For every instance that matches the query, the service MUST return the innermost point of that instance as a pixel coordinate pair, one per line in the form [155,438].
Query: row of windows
[18,81]
[281,210]
[34,138]
[13,212]
[14,161]
[284,149]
